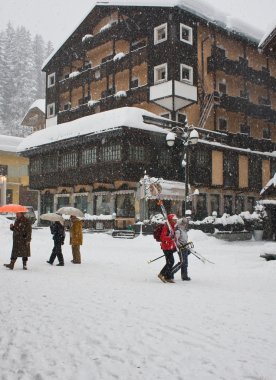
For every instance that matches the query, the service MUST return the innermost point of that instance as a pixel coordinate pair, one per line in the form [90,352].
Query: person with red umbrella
[22,235]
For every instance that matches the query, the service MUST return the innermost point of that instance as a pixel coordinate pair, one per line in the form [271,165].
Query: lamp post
[188,137]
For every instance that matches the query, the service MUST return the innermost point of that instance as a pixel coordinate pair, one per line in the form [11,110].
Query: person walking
[181,239]
[76,238]
[22,235]
[58,232]
[168,246]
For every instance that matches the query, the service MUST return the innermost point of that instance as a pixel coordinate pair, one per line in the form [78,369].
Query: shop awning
[171,190]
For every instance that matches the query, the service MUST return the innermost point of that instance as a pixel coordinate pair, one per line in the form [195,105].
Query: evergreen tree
[21,78]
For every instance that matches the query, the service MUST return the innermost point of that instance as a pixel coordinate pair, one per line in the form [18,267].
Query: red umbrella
[13,208]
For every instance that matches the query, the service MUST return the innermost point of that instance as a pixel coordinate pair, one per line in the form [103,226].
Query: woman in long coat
[22,235]
[76,238]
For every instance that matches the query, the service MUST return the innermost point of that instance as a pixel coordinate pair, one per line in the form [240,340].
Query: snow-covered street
[112,318]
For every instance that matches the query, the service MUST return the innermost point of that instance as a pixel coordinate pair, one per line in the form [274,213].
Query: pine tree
[21,78]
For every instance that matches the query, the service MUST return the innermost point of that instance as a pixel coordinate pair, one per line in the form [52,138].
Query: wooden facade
[176,64]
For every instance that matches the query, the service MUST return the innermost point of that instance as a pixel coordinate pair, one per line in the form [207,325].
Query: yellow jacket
[76,232]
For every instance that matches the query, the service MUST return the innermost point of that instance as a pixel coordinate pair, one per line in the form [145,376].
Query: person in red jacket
[168,246]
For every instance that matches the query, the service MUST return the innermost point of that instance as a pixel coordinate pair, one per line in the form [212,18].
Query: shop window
[160,33]
[81,202]
[215,203]
[186,34]
[104,204]
[125,206]
[201,207]
[89,156]
[228,204]
[47,202]
[62,201]
[111,153]
[239,204]
[9,196]
[160,73]
[186,73]
[51,80]
[251,204]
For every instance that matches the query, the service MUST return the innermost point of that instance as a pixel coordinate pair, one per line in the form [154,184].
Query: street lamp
[188,137]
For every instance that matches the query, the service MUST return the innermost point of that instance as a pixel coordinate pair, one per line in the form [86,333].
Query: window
[201,207]
[222,88]
[160,33]
[245,129]
[62,201]
[255,172]
[51,80]
[67,106]
[104,204]
[51,110]
[50,164]
[35,166]
[81,202]
[228,204]
[125,206]
[186,34]
[89,156]
[250,204]
[186,73]
[272,168]
[160,73]
[202,157]
[68,160]
[111,153]
[134,83]
[230,169]
[267,133]
[166,115]
[182,118]
[215,203]
[244,94]
[239,204]
[165,158]
[222,125]
[137,153]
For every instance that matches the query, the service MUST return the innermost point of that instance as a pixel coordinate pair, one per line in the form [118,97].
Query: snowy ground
[112,318]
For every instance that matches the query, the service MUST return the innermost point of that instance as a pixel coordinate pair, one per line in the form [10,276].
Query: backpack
[157,232]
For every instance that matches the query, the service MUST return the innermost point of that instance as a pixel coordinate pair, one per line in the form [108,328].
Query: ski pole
[157,258]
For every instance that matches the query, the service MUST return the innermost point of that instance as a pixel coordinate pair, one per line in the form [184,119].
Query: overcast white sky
[56,19]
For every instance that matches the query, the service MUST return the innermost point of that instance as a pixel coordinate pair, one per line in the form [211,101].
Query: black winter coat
[58,232]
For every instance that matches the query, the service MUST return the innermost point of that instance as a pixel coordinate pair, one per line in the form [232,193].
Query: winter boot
[162,278]
[10,265]
[185,277]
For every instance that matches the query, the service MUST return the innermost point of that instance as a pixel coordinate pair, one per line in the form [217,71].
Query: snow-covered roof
[199,8]
[9,143]
[39,103]
[100,122]
[271,30]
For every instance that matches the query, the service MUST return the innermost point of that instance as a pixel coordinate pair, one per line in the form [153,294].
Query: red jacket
[167,242]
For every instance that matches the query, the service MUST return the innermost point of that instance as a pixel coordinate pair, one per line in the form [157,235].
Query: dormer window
[160,33]
[160,73]
[51,80]
[186,34]
[186,73]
